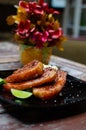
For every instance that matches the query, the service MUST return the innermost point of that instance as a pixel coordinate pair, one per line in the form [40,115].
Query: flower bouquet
[36,28]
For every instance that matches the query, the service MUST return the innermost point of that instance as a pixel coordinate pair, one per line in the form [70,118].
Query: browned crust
[50,91]
[48,76]
[29,71]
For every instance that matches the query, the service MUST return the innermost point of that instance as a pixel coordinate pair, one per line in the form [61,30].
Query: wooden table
[46,120]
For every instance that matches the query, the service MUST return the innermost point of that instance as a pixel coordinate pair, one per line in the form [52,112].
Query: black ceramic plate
[74,92]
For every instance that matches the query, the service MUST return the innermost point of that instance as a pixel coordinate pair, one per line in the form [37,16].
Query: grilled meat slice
[49,91]
[48,76]
[29,71]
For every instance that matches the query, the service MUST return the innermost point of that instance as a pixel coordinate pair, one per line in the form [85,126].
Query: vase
[29,53]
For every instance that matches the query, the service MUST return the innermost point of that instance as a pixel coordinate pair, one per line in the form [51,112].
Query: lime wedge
[20,94]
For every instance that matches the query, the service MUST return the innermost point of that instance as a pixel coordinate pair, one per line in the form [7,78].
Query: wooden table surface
[71,119]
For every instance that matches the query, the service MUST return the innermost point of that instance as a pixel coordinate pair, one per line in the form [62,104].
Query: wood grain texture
[73,119]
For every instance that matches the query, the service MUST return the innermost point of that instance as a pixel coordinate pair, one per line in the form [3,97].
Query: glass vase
[29,53]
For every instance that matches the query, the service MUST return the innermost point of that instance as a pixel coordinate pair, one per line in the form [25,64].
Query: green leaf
[2,81]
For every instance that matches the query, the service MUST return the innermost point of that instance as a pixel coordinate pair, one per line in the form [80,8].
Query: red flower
[41,2]
[40,38]
[52,11]
[39,26]
[46,8]
[32,7]
[24,5]
[56,34]
[38,10]
[23,29]
[43,5]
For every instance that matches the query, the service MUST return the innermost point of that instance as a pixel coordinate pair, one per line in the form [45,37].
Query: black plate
[74,92]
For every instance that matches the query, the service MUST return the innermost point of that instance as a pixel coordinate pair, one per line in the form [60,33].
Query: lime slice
[20,94]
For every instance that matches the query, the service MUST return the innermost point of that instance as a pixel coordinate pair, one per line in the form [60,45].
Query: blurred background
[72,18]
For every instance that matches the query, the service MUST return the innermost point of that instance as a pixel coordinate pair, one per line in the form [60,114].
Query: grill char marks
[29,71]
[48,76]
[49,91]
